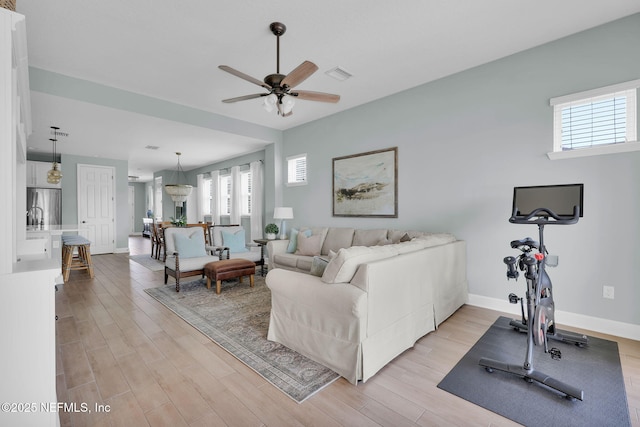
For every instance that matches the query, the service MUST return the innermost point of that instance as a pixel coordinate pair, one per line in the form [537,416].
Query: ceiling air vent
[151,147]
[339,73]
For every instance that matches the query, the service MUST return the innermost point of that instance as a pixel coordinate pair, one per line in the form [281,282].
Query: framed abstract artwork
[366,184]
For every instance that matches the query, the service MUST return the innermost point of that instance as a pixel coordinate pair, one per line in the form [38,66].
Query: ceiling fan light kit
[281,94]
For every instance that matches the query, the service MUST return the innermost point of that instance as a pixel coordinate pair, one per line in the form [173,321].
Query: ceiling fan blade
[244,98]
[299,74]
[316,96]
[243,76]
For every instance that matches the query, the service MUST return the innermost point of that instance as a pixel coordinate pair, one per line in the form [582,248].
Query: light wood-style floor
[119,348]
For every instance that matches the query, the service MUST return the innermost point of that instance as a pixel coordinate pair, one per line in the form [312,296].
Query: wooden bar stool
[81,262]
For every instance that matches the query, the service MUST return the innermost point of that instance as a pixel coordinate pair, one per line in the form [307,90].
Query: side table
[262,243]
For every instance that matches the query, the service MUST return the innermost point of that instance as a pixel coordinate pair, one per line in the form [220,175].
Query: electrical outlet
[607,292]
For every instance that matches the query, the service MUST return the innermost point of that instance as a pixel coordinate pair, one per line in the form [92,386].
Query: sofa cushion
[369,237]
[286,259]
[190,264]
[337,238]
[304,263]
[251,254]
[190,246]
[342,268]
[309,246]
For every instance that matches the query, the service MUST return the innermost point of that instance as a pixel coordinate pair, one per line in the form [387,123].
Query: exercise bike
[544,318]
[539,323]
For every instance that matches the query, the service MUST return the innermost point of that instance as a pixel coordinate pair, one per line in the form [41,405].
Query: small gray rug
[595,369]
[237,320]
[148,262]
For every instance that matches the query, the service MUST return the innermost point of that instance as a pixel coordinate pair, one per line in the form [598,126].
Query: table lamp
[283,213]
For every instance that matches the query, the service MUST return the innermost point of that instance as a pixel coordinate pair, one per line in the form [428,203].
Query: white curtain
[215,197]
[256,199]
[200,199]
[236,196]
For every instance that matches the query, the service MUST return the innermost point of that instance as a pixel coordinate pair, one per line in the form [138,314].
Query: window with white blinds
[297,170]
[596,119]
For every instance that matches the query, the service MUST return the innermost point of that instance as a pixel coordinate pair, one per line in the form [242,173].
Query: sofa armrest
[277,247]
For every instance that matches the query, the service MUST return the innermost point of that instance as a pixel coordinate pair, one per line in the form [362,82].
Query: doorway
[96,206]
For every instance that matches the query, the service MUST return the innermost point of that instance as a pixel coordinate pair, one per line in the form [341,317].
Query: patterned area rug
[146,261]
[238,320]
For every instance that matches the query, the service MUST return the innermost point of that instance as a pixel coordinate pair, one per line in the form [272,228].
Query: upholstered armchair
[186,252]
[229,242]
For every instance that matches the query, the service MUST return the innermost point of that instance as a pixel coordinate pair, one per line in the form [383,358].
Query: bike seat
[527,241]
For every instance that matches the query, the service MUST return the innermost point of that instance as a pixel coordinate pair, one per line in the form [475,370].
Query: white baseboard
[121,250]
[605,326]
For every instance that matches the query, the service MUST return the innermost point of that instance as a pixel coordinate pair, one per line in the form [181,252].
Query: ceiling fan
[280,86]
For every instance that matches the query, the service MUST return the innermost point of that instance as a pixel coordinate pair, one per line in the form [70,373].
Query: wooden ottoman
[229,269]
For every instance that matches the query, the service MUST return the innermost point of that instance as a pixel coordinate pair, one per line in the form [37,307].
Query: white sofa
[371,303]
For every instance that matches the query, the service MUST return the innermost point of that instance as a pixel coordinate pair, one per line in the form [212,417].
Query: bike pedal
[555,353]
[513,298]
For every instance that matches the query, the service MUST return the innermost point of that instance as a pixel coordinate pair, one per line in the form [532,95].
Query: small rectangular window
[297,170]
[596,119]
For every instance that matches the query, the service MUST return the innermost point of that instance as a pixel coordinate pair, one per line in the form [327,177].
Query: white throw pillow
[342,268]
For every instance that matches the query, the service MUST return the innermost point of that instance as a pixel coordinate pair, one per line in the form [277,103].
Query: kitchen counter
[54,229]
[35,256]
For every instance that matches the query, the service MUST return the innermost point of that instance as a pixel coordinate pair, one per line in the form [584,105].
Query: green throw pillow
[318,265]
[190,246]
[234,241]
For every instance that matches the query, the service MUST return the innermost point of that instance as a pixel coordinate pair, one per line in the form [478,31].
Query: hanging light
[178,192]
[54,175]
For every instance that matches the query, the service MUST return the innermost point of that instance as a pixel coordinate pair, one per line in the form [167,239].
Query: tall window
[206,196]
[596,119]
[245,178]
[158,197]
[297,170]
[225,193]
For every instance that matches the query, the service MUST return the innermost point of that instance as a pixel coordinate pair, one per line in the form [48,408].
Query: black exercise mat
[595,369]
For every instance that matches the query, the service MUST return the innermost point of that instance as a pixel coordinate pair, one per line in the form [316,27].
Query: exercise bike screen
[558,198]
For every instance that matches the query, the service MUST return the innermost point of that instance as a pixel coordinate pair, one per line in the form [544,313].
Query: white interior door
[96,206]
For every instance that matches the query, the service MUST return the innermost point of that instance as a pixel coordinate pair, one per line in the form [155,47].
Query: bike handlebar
[542,216]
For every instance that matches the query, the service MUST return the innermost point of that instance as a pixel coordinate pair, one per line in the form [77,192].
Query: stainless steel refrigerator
[44,206]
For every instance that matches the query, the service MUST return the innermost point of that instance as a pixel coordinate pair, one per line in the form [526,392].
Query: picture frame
[366,184]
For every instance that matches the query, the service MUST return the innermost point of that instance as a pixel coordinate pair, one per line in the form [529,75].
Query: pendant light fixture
[54,175]
[178,192]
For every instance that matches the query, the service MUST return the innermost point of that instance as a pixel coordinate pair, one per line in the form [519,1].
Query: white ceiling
[170,50]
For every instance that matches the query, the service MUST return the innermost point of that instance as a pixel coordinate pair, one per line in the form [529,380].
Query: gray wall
[140,204]
[70,194]
[466,140]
